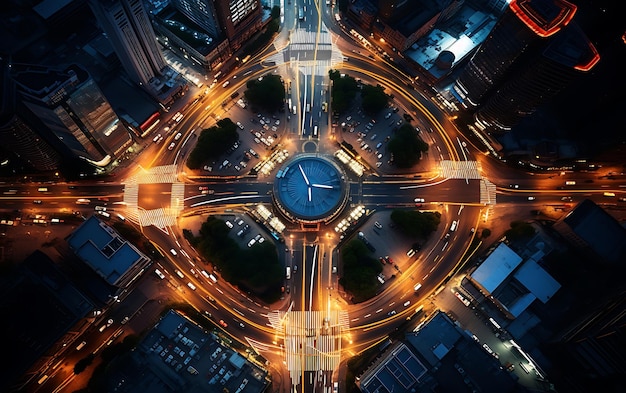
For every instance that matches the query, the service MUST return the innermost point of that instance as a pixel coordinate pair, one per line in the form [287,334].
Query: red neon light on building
[536,22]
[150,121]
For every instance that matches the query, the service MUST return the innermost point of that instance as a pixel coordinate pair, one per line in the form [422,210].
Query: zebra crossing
[460,169]
[301,44]
[161,218]
[487,192]
[312,339]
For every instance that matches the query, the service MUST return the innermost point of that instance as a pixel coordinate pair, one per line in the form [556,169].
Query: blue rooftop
[104,250]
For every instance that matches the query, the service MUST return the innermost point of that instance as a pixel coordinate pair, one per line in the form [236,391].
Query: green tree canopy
[519,230]
[343,91]
[359,271]
[374,99]
[267,93]
[416,224]
[406,146]
[256,268]
[213,142]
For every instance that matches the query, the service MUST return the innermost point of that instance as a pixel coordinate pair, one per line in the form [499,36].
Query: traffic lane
[448,191]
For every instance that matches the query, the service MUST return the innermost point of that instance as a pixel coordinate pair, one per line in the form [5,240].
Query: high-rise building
[127,25]
[530,55]
[202,13]
[390,9]
[69,105]
[240,19]
[563,59]
[16,135]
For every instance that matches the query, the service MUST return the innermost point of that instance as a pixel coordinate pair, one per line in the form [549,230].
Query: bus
[300,13]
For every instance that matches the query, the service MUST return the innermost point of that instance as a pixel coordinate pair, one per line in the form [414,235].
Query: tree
[256,269]
[374,99]
[267,93]
[519,230]
[359,271]
[213,142]
[343,92]
[415,223]
[406,146]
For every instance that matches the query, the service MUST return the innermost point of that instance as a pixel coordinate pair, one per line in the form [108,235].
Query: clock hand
[306,180]
[322,186]
[309,194]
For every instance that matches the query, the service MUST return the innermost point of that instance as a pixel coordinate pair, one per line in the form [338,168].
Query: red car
[223,324]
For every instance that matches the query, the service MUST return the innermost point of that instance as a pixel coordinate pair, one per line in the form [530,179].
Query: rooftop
[104,250]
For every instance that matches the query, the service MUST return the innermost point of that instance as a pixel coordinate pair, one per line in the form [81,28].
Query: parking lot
[259,134]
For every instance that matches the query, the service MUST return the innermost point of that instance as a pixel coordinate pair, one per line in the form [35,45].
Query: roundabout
[310,189]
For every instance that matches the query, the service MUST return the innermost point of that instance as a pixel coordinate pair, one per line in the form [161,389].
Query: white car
[171,146]
[177,137]
[419,200]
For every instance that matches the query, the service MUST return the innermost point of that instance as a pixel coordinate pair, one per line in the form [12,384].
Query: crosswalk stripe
[460,169]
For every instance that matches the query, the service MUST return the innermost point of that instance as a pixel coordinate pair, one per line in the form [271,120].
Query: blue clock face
[310,188]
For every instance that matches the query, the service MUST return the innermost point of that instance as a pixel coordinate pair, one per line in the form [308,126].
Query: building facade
[530,55]
[69,106]
[18,137]
[127,25]
[240,20]
[202,13]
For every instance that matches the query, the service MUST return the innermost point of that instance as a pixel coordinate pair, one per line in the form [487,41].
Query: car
[159,273]
[241,325]
[462,299]
[157,138]
[389,259]
[240,125]
[392,312]
[382,260]
[454,225]
[388,115]
[378,225]
[419,200]
[223,324]
[37,202]
[261,240]
[171,146]
[208,168]
[417,287]
[251,242]
[190,285]
[240,222]
[513,185]
[566,198]
[125,320]
[229,224]
[177,137]
[531,198]
[410,253]
[237,168]
[407,303]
